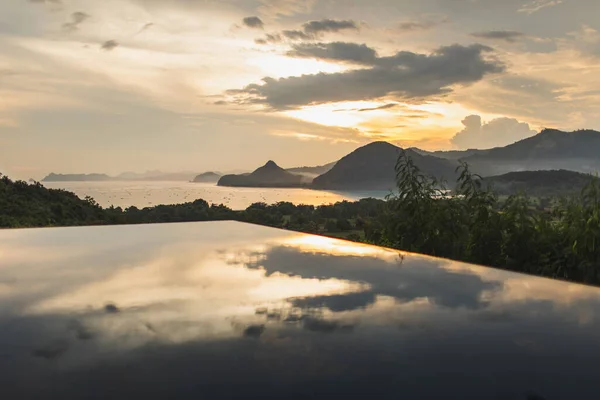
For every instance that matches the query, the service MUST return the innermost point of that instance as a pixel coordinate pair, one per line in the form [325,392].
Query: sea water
[148,194]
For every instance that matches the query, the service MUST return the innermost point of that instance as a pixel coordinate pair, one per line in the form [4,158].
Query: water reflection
[191,308]
[405,281]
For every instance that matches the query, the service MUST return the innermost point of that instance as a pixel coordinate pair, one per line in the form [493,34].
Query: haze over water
[148,194]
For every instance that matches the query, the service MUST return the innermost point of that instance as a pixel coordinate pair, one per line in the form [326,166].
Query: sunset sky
[117,85]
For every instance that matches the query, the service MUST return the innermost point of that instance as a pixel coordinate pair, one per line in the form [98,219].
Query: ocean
[147,194]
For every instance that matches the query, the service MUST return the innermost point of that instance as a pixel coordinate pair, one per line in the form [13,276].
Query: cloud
[46,1]
[310,31]
[145,27]
[537,5]
[336,51]
[76,19]
[532,98]
[406,75]
[269,38]
[109,45]
[515,84]
[507,36]
[328,25]
[296,35]
[383,107]
[293,35]
[423,25]
[253,22]
[277,8]
[586,40]
[5,72]
[496,133]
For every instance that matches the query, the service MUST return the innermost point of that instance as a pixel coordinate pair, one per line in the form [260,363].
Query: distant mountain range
[371,167]
[125,176]
[206,177]
[52,177]
[550,149]
[449,154]
[269,175]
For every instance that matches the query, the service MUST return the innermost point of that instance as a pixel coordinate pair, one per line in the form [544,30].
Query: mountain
[449,154]
[76,177]
[315,171]
[550,149]
[207,177]
[372,167]
[269,175]
[125,176]
[539,183]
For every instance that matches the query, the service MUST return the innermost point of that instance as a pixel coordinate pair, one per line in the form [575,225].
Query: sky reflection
[79,301]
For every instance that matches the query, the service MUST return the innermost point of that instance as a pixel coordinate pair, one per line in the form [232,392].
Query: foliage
[24,205]
[539,183]
[474,226]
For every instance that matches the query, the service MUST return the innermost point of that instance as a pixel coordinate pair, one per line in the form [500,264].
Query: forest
[558,238]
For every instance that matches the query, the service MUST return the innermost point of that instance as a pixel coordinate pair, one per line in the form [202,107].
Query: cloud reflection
[234,299]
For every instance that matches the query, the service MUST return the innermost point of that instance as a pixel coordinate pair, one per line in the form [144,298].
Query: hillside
[549,150]
[449,154]
[554,183]
[316,171]
[269,175]
[23,205]
[372,167]
[207,177]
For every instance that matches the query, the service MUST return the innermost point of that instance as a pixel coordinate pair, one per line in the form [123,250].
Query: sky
[194,85]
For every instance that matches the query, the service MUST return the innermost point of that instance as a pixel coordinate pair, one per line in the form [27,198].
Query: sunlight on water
[320,244]
[148,194]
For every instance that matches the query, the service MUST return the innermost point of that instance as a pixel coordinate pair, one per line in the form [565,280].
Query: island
[207,177]
[269,175]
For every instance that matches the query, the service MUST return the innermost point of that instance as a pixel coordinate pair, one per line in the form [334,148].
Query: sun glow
[279,66]
[428,125]
[327,245]
[345,114]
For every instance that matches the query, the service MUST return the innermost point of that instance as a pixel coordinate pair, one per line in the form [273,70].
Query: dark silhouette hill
[449,154]
[551,149]
[554,183]
[269,175]
[24,205]
[207,177]
[319,170]
[372,167]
